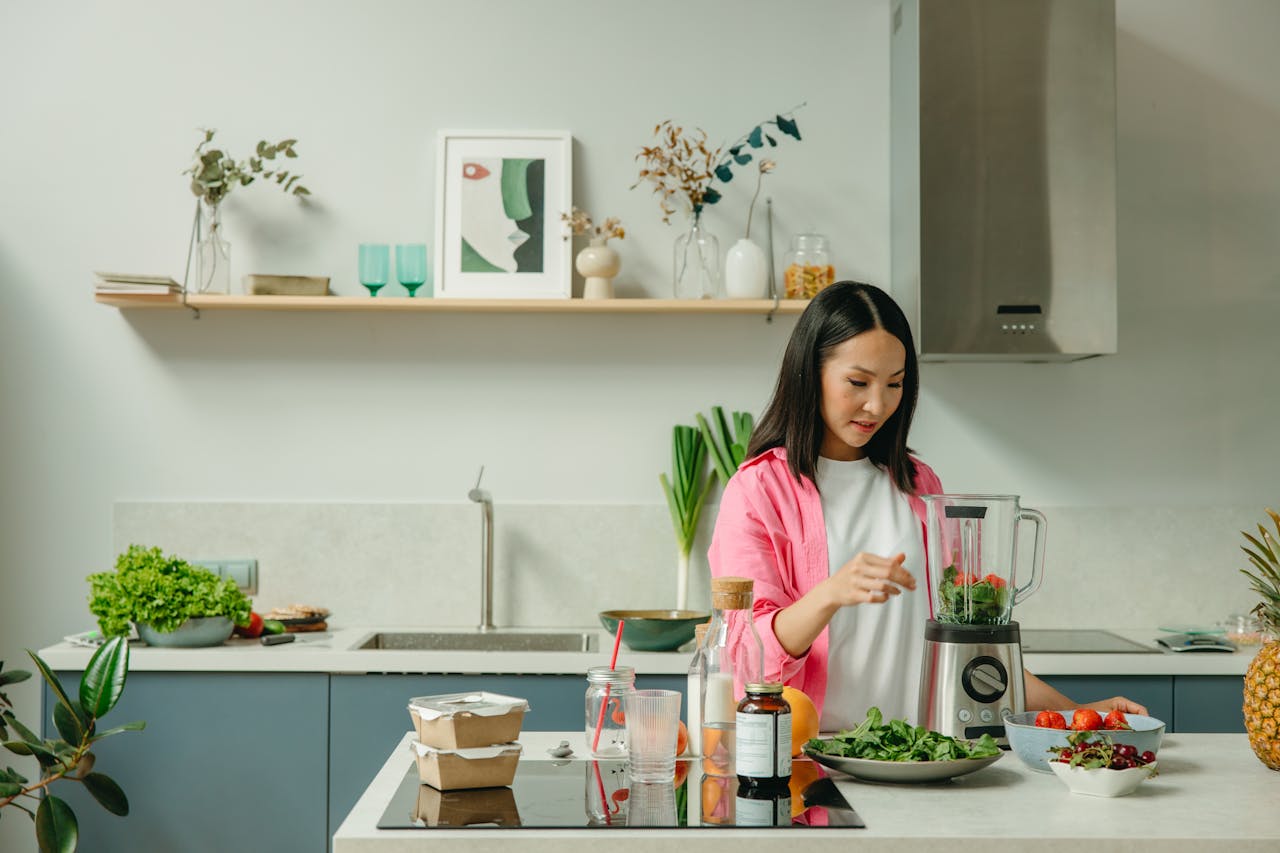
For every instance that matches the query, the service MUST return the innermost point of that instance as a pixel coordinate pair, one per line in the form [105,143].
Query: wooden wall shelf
[466,306]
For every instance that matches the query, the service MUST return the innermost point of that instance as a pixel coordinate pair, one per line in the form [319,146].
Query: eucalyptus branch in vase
[214,174]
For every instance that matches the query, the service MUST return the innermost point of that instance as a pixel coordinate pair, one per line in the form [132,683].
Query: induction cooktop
[1081,641]
[570,795]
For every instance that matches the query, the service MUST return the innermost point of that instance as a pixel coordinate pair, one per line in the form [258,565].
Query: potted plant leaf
[67,757]
[171,601]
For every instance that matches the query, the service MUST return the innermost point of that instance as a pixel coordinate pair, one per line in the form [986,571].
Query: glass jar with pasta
[809,266]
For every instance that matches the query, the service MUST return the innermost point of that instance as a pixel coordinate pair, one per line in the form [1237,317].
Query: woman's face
[861,389]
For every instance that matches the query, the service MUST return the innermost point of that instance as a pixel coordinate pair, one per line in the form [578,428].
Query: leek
[728,448]
[686,492]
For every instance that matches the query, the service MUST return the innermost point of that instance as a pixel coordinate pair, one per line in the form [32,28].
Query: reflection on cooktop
[1080,642]
[599,795]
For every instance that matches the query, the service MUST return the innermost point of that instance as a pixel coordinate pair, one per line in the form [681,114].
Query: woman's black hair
[793,418]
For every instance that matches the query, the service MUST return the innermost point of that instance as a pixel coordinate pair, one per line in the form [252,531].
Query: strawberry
[1116,720]
[1050,720]
[1086,720]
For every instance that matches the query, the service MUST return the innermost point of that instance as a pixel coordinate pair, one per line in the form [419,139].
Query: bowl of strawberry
[1092,763]
[1032,734]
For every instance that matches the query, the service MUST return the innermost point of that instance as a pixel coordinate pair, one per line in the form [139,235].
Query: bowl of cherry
[1094,765]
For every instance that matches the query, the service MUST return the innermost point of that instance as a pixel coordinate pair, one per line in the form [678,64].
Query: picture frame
[499,198]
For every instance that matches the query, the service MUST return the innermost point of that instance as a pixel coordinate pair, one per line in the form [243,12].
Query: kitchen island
[1212,795]
[347,705]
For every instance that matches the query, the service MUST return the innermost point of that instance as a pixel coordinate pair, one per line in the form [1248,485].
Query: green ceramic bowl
[653,630]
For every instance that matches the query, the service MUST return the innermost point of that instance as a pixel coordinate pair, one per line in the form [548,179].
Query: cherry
[1148,757]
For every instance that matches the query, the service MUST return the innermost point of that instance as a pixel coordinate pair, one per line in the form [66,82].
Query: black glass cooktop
[598,794]
[1048,641]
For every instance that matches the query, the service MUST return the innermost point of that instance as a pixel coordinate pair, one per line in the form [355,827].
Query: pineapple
[1262,680]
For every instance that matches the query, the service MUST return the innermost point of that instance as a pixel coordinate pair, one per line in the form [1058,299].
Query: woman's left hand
[1118,703]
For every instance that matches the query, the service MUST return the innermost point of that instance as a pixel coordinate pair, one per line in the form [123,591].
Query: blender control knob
[985,679]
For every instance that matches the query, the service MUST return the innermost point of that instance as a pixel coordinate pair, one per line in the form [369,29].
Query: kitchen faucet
[486,552]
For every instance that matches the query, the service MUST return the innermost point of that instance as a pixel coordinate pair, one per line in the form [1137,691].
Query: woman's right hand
[866,579]
[869,579]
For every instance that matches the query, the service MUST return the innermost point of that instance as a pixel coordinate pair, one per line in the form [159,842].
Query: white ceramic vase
[598,264]
[746,271]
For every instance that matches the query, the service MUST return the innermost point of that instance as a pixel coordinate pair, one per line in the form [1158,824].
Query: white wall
[100,103]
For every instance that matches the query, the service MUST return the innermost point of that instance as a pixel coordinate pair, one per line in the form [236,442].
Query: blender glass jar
[972,544]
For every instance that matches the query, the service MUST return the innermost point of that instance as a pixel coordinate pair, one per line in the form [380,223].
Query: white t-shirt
[876,650]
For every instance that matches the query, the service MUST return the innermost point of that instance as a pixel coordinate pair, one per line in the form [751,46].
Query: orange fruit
[803,773]
[682,738]
[804,718]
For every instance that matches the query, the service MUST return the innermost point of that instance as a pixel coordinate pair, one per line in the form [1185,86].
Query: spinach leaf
[900,741]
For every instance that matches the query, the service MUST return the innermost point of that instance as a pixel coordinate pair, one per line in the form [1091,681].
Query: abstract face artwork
[503,215]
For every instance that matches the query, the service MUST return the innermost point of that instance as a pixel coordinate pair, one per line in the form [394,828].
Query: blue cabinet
[228,761]
[1208,703]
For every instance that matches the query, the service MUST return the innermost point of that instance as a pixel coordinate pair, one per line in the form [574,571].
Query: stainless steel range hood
[1003,177]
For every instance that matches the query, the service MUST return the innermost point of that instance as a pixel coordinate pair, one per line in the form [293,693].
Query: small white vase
[746,271]
[598,264]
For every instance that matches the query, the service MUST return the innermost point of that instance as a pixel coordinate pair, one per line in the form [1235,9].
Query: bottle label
[764,745]
[749,811]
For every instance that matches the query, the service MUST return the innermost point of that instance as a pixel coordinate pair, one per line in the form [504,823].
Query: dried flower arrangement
[579,222]
[682,167]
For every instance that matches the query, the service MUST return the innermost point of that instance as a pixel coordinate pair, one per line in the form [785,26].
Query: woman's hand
[1117,703]
[869,579]
[866,579]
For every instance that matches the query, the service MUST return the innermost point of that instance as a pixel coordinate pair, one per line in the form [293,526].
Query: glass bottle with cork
[732,650]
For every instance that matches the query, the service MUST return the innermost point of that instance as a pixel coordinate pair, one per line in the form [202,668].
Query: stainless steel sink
[475,641]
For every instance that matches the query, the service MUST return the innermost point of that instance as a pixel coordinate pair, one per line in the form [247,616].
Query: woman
[825,516]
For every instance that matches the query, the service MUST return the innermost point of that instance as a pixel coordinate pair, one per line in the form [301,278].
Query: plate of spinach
[900,752]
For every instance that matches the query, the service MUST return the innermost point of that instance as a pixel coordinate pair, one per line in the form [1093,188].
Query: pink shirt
[770,529]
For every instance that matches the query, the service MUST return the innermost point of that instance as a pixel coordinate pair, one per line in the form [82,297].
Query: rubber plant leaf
[104,678]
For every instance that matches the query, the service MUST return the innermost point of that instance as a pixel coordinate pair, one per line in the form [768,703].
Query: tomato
[995,580]
[1115,720]
[1050,720]
[1086,720]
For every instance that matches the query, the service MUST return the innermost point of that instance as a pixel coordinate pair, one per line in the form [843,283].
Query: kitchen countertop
[338,652]
[1212,795]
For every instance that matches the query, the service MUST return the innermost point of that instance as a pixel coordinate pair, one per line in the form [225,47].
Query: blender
[972,674]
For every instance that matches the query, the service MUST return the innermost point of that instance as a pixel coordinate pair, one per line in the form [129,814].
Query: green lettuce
[150,588]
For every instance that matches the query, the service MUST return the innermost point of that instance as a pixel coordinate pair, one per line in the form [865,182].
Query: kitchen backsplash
[559,564]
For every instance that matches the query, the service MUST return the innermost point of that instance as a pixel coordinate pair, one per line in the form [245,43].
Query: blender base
[971,679]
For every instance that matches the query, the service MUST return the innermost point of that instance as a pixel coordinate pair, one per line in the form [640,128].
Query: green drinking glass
[375,262]
[411,266]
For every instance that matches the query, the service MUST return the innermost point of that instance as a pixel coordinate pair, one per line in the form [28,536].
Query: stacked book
[115,282]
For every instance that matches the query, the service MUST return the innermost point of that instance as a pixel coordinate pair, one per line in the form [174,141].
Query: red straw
[613,662]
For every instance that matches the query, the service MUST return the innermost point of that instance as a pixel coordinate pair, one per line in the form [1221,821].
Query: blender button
[963,715]
[985,715]
[1006,713]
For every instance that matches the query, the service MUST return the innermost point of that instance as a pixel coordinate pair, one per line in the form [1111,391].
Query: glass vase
[697,263]
[213,254]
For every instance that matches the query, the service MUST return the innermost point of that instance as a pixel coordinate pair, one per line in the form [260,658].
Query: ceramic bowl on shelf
[1032,743]
[654,630]
[1102,781]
